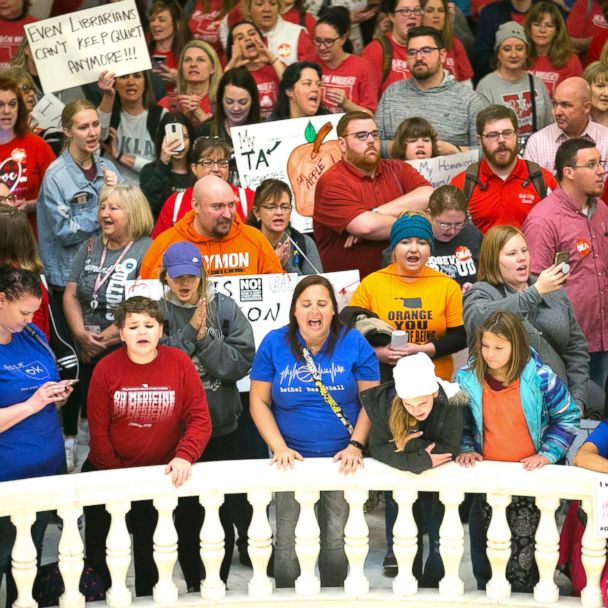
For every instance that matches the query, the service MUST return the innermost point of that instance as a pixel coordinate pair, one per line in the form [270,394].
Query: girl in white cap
[416,425]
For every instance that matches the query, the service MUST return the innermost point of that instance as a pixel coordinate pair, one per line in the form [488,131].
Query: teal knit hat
[408,226]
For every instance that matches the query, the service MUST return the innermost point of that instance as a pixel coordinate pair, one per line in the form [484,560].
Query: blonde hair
[72,108]
[214,78]
[139,217]
[488,267]
[400,422]
[246,6]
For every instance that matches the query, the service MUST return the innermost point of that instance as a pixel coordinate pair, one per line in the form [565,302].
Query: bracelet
[275,59]
[357,444]
[375,210]
[458,148]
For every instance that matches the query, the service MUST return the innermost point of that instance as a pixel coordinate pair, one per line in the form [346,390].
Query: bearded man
[359,198]
[502,188]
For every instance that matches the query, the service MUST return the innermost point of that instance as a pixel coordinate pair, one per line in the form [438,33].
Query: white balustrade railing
[211,481]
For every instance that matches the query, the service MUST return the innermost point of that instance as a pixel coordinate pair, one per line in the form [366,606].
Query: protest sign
[297,151]
[47,112]
[441,169]
[73,49]
[600,507]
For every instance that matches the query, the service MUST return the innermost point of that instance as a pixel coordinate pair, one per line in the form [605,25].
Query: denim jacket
[551,415]
[66,213]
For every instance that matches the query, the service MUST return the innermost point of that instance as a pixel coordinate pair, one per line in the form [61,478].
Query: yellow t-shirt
[425,307]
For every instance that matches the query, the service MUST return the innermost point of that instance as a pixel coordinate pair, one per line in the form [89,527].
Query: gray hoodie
[221,358]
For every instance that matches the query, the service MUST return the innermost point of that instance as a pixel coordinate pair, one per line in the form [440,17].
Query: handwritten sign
[74,49]
[297,151]
[600,507]
[47,112]
[441,169]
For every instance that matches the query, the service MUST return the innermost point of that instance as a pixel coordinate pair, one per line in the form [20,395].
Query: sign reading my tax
[74,49]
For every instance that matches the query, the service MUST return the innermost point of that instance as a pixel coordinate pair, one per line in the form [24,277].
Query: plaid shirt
[542,146]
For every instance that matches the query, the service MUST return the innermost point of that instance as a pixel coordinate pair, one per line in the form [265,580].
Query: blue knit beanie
[409,226]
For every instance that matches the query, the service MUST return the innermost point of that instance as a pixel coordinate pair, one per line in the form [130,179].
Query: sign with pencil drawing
[73,49]
[441,169]
[297,151]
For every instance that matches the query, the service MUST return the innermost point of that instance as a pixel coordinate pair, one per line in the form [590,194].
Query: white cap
[415,376]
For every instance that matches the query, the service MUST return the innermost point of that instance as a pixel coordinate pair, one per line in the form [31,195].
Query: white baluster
[260,543]
[451,543]
[307,543]
[499,547]
[405,542]
[212,546]
[24,559]
[593,558]
[71,557]
[356,547]
[165,550]
[118,555]
[547,550]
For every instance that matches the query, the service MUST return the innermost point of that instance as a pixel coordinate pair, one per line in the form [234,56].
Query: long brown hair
[560,48]
[181,31]
[292,329]
[400,422]
[508,326]
[447,32]
[17,244]
[20,128]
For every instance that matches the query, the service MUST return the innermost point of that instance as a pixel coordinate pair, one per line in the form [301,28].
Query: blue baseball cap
[183,258]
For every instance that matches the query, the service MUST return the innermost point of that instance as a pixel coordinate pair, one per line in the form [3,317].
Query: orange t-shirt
[506,436]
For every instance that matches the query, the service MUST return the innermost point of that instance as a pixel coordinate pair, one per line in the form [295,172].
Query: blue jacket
[552,416]
[66,213]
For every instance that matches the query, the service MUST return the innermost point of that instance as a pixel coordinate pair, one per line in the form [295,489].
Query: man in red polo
[502,188]
[359,198]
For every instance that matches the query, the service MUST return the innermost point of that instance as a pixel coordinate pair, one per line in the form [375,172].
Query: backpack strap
[115,116]
[178,203]
[387,55]
[535,175]
[154,115]
[471,179]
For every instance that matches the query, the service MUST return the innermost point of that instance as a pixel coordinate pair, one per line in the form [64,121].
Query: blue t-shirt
[304,418]
[33,447]
[599,438]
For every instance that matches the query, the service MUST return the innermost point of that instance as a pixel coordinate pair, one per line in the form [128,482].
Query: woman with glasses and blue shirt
[271,211]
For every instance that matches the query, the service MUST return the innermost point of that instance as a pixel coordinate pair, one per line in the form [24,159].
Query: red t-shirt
[23,163]
[146,414]
[268,89]
[343,192]
[356,78]
[552,76]
[167,217]
[205,25]
[11,35]
[457,62]
[293,16]
[581,25]
[594,52]
[503,202]
[373,52]
[41,316]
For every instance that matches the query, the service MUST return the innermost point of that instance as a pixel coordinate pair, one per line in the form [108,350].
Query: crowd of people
[508,260]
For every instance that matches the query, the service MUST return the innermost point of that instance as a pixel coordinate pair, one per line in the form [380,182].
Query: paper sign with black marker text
[73,49]
[441,169]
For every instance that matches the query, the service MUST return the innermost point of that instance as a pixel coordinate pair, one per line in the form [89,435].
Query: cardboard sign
[600,507]
[74,49]
[297,151]
[441,169]
[47,112]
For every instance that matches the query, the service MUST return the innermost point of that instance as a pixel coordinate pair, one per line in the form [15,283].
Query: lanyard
[99,280]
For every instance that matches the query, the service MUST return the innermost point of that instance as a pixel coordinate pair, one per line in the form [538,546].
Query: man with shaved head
[227,245]
[571,110]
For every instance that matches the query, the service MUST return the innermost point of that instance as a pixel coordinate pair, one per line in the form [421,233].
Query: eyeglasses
[10,199]
[407,12]
[13,104]
[283,208]
[546,26]
[591,165]
[494,135]
[448,226]
[26,88]
[326,42]
[363,135]
[209,162]
[425,51]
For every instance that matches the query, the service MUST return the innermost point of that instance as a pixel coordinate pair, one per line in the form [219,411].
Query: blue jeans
[7,540]
[598,368]
[332,513]
[428,515]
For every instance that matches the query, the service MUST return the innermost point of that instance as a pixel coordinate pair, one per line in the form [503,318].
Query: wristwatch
[357,444]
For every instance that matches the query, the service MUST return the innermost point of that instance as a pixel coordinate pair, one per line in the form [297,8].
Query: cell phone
[173,103]
[562,257]
[399,339]
[158,60]
[173,132]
